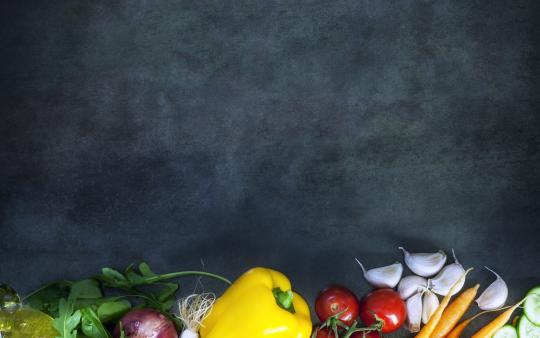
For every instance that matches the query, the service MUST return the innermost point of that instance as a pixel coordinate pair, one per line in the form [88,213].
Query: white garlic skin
[424,264]
[430,303]
[449,275]
[383,277]
[495,295]
[414,312]
[410,285]
[187,333]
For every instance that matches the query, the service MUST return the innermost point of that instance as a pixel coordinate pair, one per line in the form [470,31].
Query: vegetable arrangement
[139,303]
[413,300]
[90,307]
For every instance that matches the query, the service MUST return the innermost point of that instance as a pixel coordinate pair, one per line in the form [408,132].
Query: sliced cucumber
[527,329]
[506,331]
[535,290]
[532,307]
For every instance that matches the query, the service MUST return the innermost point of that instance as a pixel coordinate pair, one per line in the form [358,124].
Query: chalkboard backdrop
[221,135]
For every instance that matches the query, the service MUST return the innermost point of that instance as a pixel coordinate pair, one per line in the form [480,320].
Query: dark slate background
[220,135]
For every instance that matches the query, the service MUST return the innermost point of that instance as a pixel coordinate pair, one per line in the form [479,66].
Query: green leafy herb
[112,310]
[145,276]
[168,291]
[93,303]
[91,325]
[132,280]
[46,298]
[145,270]
[82,306]
[86,289]
[68,320]
[114,278]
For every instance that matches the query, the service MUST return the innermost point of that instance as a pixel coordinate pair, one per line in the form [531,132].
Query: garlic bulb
[414,312]
[495,295]
[383,277]
[430,303]
[410,285]
[448,276]
[424,264]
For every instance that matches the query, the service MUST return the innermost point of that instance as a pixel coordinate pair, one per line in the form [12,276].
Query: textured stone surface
[290,134]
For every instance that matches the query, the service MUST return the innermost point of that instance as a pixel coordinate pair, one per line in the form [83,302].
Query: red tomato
[386,305]
[325,333]
[334,300]
[373,334]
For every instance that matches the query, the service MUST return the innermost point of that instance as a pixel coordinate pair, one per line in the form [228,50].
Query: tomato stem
[334,324]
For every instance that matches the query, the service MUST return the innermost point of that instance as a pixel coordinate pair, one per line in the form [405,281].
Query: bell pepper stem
[284,299]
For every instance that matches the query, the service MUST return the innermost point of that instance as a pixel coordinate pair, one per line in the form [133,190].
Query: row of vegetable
[139,303]
[412,301]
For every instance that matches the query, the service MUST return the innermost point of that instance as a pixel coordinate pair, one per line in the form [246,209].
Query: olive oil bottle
[16,321]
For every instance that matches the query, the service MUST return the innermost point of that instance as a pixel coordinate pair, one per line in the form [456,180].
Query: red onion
[146,323]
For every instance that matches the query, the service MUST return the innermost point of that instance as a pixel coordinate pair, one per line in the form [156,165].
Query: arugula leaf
[67,321]
[168,291]
[134,278]
[130,278]
[80,308]
[86,289]
[167,305]
[91,325]
[129,268]
[92,303]
[166,297]
[112,310]
[114,278]
[46,298]
[144,268]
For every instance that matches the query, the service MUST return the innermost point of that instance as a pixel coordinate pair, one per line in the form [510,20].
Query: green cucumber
[535,290]
[532,306]
[526,329]
[506,331]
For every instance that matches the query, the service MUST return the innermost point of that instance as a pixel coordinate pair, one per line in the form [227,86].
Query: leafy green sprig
[81,309]
[335,325]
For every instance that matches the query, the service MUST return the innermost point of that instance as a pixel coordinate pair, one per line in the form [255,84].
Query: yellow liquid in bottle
[26,323]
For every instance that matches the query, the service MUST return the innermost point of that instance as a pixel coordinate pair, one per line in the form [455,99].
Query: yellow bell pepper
[259,304]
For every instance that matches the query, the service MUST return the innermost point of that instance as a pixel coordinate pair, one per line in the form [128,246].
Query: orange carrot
[489,330]
[454,312]
[436,316]
[456,332]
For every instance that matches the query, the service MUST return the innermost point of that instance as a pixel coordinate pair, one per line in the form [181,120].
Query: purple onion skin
[146,323]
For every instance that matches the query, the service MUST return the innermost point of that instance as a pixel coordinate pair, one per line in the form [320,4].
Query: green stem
[44,287]
[186,273]
[284,299]
[354,328]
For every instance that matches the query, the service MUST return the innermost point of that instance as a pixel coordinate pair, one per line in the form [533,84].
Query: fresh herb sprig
[81,309]
[68,320]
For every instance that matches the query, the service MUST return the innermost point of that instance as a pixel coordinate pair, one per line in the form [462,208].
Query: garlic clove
[414,312]
[410,285]
[424,264]
[448,276]
[495,295]
[430,303]
[383,277]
